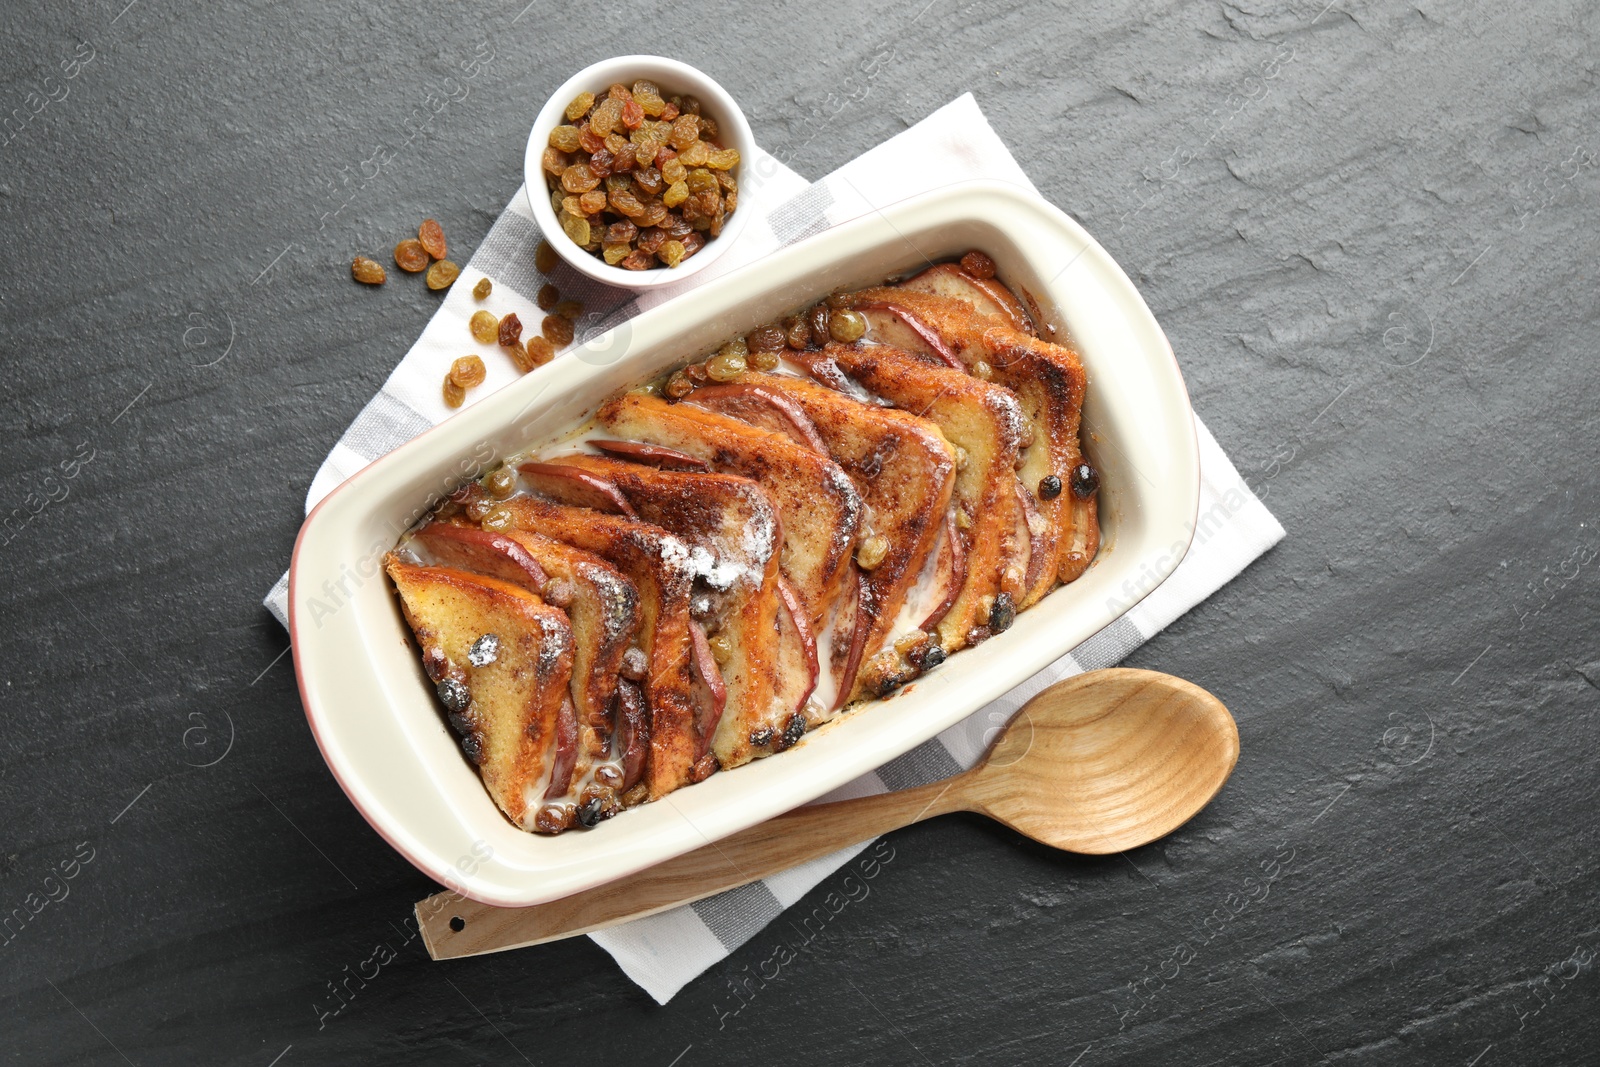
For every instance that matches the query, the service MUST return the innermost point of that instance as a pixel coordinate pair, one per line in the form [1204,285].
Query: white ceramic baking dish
[375,716]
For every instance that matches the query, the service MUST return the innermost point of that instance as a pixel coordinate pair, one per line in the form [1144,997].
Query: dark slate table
[1370,231]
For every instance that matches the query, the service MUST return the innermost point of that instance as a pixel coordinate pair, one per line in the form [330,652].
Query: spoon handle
[791,839]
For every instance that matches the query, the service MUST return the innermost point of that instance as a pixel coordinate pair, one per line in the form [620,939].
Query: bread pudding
[729,556]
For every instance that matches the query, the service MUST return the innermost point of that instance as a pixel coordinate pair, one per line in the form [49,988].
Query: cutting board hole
[457,923]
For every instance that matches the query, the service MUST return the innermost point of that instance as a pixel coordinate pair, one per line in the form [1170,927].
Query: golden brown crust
[733,529]
[658,564]
[985,421]
[819,505]
[510,725]
[904,469]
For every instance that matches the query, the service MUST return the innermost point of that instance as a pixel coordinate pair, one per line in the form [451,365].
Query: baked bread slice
[820,507]
[1047,378]
[733,534]
[986,540]
[500,659]
[660,568]
[904,470]
[601,603]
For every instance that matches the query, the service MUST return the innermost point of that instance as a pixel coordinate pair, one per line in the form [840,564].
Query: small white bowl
[674,79]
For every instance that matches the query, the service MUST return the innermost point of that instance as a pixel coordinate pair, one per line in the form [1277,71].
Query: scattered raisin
[568,309]
[548,295]
[454,395]
[1049,487]
[978,265]
[454,694]
[410,256]
[540,351]
[482,290]
[442,274]
[767,338]
[1002,614]
[762,359]
[501,483]
[1085,480]
[510,332]
[431,234]
[559,330]
[367,271]
[725,366]
[468,371]
[545,258]
[485,327]
[817,319]
[486,649]
[798,335]
[982,370]
[519,356]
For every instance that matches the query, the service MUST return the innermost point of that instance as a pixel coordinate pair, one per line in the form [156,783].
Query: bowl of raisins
[633,170]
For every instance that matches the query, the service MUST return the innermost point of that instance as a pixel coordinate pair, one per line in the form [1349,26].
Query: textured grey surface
[1370,231]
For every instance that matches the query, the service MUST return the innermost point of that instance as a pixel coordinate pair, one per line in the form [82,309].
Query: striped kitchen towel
[664,952]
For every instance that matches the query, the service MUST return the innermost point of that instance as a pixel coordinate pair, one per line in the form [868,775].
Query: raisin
[568,309]
[632,113]
[580,106]
[454,694]
[472,748]
[443,274]
[978,265]
[725,366]
[486,649]
[762,359]
[579,178]
[548,295]
[673,171]
[626,203]
[540,351]
[793,730]
[570,205]
[725,159]
[870,555]
[622,232]
[605,117]
[468,371]
[669,111]
[600,163]
[577,229]
[981,369]
[1085,480]
[677,194]
[653,214]
[594,811]
[797,334]
[692,243]
[1049,487]
[650,239]
[679,385]
[454,395]
[510,331]
[624,159]
[648,181]
[1003,614]
[482,290]
[545,258]
[519,356]
[589,141]
[484,326]
[685,131]
[817,319]
[431,234]
[648,97]
[592,202]
[367,271]
[847,326]
[410,256]
[558,330]
[638,260]
[614,252]
[695,155]
[564,138]
[767,338]
[703,181]
[501,483]
[709,130]
[671,253]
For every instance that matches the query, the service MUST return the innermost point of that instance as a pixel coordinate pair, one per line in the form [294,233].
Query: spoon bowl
[1106,761]
[1098,763]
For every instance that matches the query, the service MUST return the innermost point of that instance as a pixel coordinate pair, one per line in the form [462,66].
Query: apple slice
[654,455]
[986,295]
[566,484]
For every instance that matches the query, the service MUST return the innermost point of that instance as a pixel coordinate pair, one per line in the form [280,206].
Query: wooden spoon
[1096,764]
